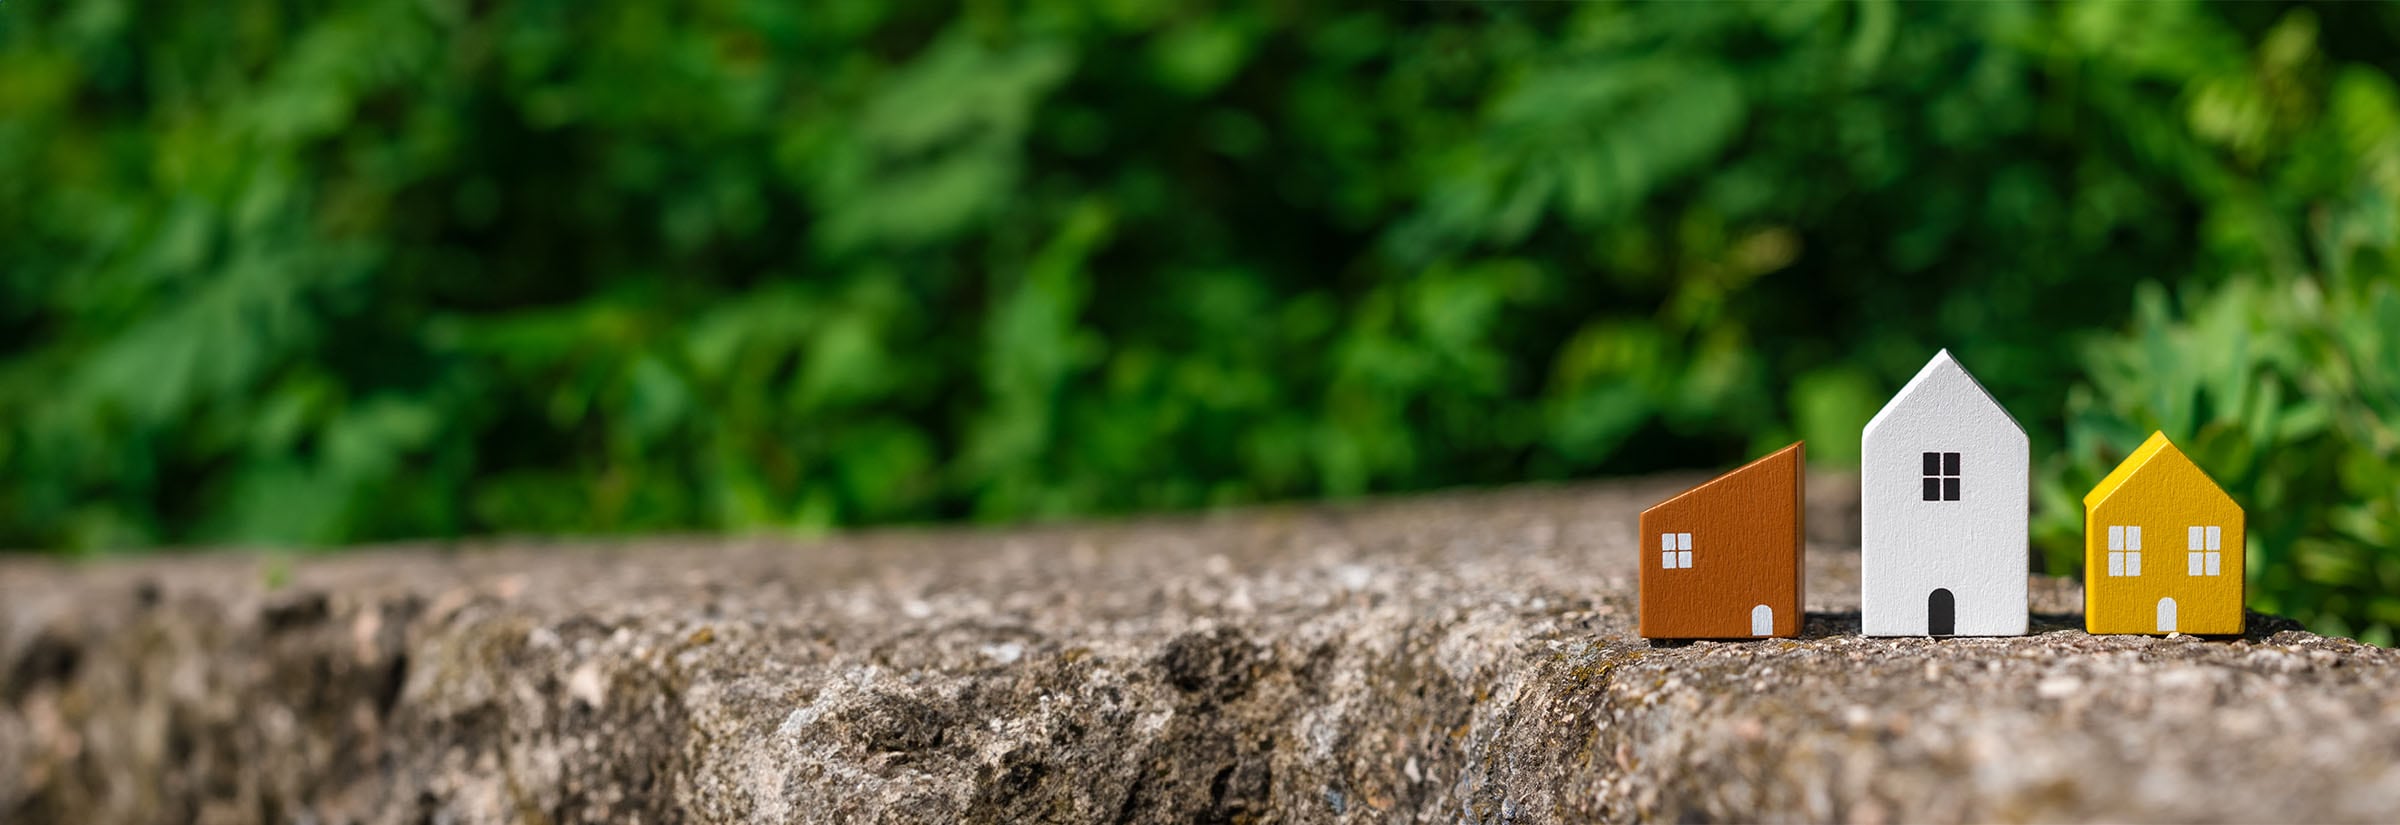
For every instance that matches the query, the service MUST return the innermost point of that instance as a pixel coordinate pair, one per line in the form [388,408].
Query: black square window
[1941,476]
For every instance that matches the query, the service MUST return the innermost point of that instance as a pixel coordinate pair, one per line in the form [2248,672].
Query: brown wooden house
[1723,560]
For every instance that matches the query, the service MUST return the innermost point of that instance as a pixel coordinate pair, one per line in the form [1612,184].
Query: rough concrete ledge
[1466,657]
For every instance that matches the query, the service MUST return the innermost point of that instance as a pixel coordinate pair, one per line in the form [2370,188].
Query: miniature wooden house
[1944,495]
[2162,548]
[1723,560]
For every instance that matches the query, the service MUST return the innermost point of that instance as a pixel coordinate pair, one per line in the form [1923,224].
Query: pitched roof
[2157,447]
[1940,367]
[1787,459]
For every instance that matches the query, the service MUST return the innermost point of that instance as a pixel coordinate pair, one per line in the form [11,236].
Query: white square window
[2125,550]
[1674,551]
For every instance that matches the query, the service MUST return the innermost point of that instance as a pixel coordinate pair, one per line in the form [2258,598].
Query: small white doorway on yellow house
[2166,615]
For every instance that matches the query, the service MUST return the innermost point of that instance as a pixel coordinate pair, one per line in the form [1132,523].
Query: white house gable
[1944,392]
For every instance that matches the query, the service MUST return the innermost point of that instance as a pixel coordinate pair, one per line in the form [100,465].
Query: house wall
[1975,546]
[2165,498]
[1746,531]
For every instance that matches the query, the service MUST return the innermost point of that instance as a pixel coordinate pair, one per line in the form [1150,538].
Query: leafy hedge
[320,273]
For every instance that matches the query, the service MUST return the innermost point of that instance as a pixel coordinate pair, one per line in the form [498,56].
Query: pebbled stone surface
[1459,658]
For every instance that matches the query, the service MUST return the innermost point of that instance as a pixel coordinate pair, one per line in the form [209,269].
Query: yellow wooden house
[2162,548]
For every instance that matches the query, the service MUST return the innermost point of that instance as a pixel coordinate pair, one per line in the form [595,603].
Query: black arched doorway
[1941,612]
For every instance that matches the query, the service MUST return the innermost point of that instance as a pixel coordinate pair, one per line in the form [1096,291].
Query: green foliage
[2283,393]
[2280,380]
[313,273]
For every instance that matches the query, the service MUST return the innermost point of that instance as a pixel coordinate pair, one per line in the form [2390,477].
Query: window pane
[1666,541]
[2194,565]
[2116,564]
[2116,537]
[2133,537]
[1683,541]
[2213,558]
[1950,489]
[1684,559]
[2191,540]
[1949,464]
[2133,563]
[1933,464]
[2212,537]
[1933,489]
[1667,559]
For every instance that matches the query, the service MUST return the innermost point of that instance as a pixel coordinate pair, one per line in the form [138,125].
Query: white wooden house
[1944,497]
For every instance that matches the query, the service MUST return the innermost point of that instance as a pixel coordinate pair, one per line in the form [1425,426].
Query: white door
[1762,621]
[2166,615]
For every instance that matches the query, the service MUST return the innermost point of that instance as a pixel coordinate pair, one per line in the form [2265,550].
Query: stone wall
[1466,657]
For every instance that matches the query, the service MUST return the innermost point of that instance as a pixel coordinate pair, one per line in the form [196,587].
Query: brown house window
[1941,476]
[1675,551]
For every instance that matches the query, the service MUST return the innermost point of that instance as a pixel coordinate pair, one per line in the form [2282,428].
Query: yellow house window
[2125,550]
[2201,545]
